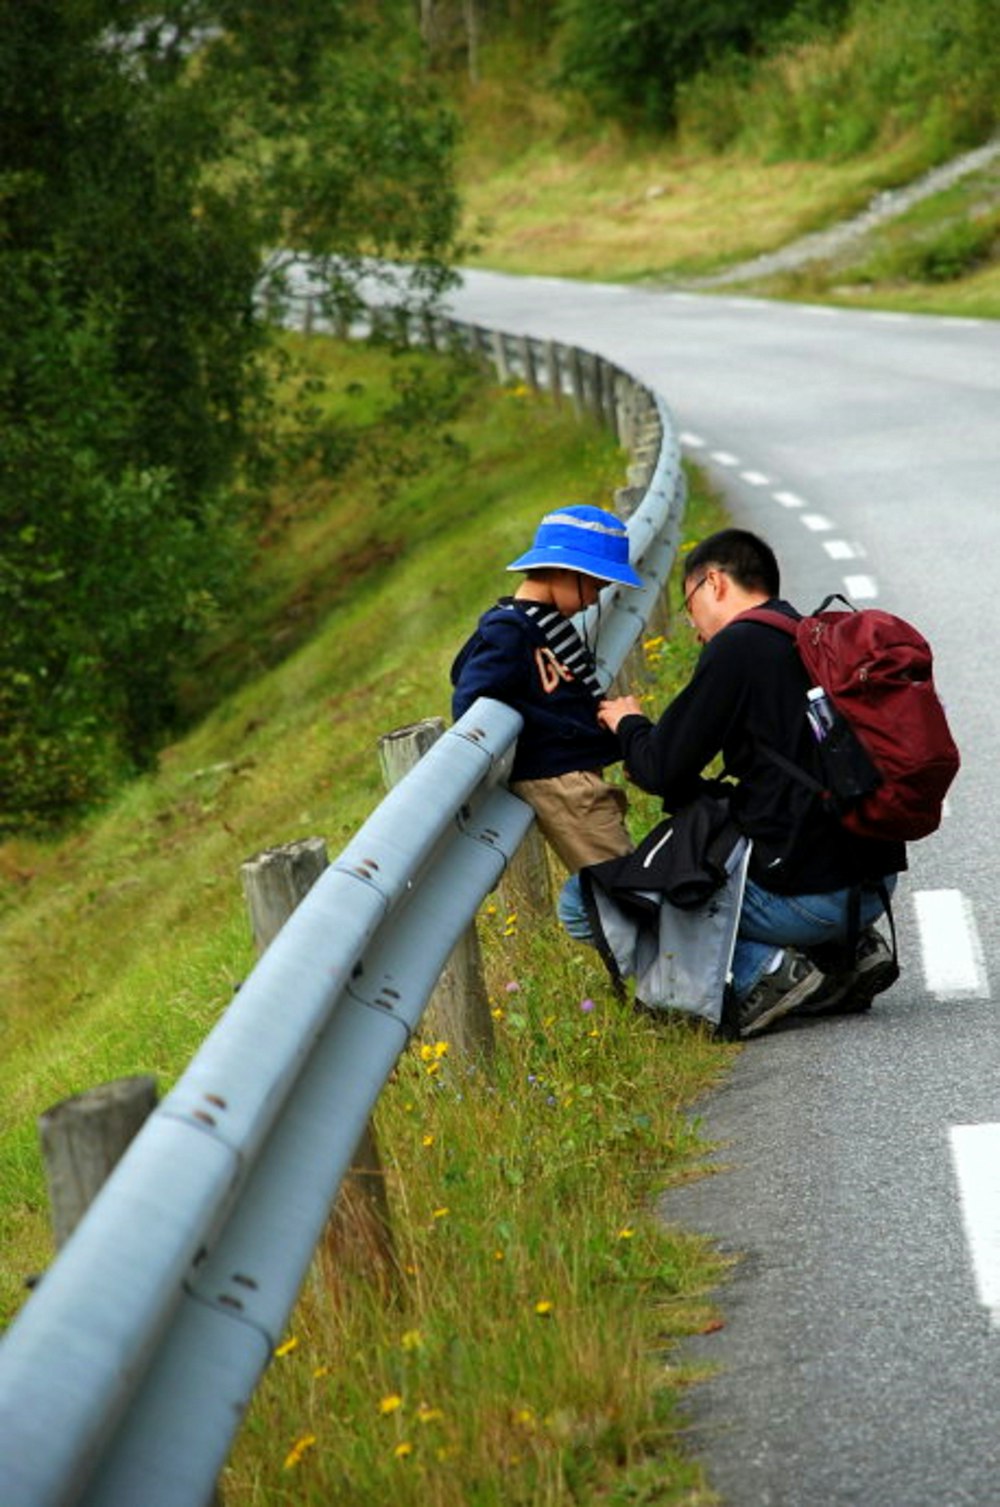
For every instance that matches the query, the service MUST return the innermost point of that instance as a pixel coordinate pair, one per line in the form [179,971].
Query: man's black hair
[744,556]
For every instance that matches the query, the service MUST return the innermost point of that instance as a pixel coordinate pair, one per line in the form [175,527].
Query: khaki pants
[580,815]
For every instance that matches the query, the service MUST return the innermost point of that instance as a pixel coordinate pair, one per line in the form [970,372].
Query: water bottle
[819,712]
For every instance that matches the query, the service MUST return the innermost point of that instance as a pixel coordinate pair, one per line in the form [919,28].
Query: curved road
[859,1161]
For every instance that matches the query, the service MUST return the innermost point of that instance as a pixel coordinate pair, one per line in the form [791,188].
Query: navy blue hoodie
[509,658]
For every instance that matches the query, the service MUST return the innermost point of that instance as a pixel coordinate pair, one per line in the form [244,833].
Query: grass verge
[527,1353]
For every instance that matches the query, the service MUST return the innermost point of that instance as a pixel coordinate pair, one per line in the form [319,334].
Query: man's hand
[610,713]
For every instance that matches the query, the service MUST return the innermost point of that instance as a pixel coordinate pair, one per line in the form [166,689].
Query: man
[747,697]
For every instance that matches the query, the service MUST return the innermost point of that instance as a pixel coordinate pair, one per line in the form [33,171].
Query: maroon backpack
[876,670]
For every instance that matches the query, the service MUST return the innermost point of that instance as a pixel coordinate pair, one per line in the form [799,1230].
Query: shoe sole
[793,1000]
[857,996]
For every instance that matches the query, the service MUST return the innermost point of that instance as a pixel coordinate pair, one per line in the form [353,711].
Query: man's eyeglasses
[691,594]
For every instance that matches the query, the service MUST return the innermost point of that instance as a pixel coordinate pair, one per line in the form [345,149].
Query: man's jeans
[767,923]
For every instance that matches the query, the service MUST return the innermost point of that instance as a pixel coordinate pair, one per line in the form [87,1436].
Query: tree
[150,155]
[630,55]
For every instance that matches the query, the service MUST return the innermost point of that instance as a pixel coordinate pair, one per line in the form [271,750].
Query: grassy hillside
[528,1353]
[761,156]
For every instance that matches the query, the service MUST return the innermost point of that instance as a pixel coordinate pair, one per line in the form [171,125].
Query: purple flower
[586,1005]
[512,987]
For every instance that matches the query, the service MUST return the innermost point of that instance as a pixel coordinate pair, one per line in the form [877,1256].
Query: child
[527,652]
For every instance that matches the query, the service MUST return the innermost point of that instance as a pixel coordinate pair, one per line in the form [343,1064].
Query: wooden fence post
[459,1009]
[358,1235]
[82,1138]
[527,353]
[554,371]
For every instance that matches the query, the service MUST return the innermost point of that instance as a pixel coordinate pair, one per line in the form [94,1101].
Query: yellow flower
[321,1371]
[433,1068]
[302,1444]
[426,1052]
[402,1450]
[491,910]
[654,643]
[287,1347]
[499,1256]
[428,1140]
[525,1417]
[511,919]
[497,1013]
[543,1307]
[428,1414]
[627,1233]
[390,1404]
[412,1340]
[440,1213]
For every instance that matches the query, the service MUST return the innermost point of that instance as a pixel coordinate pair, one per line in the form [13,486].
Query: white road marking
[755,478]
[788,499]
[816,522]
[861,588]
[839,549]
[950,946]
[975,1151]
[724,458]
[693,441]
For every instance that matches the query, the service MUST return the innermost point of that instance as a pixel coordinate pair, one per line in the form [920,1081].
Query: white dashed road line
[789,499]
[755,478]
[861,588]
[723,458]
[840,549]
[950,947]
[816,523]
[975,1151]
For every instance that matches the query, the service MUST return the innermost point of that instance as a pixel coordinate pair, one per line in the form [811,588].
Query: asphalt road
[858,1169]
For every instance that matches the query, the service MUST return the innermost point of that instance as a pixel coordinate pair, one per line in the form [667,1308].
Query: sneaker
[792,983]
[852,990]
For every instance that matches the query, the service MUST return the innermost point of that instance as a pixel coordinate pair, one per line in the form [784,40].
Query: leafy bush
[632,56]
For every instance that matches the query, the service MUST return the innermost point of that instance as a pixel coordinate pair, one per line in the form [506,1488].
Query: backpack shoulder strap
[771,618]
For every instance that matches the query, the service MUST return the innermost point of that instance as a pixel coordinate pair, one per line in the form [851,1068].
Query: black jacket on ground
[748,693]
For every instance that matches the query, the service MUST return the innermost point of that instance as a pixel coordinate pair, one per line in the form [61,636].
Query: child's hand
[610,713]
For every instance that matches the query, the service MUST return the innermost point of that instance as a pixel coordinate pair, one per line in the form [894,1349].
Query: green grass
[121,944]
[762,156]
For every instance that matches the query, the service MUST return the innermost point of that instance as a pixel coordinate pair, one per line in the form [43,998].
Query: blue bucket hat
[585,539]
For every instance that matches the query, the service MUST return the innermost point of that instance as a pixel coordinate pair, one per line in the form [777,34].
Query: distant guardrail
[124,1377]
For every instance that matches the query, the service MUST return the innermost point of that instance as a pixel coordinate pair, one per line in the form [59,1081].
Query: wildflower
[440,1213]
[626,1233]
[412,1340]
[586,1005]
[321,1371]
[499,1256]
[549,1020]
[491,909]
[512,987]
[593,1033]
[389,1404]
[403,1449]
[433,1068]
[497,1013]
[525,1417]
[544,1308]
[428,1414]
[654,643]
[302,1444]
[428,1140]
[287,1347]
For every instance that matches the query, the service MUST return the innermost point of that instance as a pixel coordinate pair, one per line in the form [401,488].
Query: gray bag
[680,959]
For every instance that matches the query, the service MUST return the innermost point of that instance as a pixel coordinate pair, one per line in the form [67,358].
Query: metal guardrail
[125,1376]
